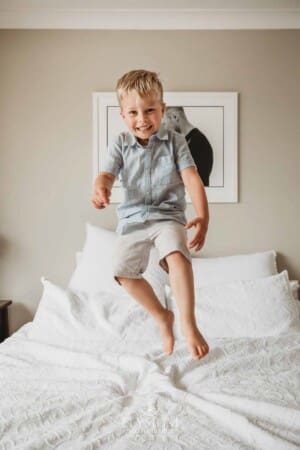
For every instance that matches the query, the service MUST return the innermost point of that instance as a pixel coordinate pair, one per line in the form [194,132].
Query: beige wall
[47,79]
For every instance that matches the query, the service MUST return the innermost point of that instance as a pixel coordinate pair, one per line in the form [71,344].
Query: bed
[89,371]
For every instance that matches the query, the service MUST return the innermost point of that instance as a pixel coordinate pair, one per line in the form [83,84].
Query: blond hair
[143,82]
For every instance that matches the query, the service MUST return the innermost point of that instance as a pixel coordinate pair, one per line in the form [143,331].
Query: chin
[145,135]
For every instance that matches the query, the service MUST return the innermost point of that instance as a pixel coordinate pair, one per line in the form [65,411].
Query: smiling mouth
[144,128]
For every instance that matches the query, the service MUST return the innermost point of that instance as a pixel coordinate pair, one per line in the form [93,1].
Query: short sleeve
[114,159]
[183,156]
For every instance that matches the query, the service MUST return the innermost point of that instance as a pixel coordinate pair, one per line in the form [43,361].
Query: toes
[169,342]
[199,352]
[204,350]
[198,346]
[169,347]
[166,328]
[195,353]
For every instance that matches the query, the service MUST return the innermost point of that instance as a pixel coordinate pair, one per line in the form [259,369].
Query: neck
[143,142]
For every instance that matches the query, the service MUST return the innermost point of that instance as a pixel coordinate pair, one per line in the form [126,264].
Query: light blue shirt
[150,177]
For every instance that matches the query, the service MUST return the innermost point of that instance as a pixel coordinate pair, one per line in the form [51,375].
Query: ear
[121,113]
[163,108]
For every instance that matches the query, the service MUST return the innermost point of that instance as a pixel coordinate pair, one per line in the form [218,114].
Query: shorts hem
[163,263]
[128,275]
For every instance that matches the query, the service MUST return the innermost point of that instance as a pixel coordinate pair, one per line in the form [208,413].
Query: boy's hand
[101,196]
[201,230]
[102,190]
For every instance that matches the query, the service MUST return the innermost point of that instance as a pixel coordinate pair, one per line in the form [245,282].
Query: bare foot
[166,328]
[196,342]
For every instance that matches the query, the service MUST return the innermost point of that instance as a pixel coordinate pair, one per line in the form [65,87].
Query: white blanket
[243,395]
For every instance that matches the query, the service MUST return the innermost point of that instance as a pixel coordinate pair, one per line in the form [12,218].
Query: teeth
[144,128]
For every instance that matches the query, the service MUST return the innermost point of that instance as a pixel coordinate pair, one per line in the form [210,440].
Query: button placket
[148,196]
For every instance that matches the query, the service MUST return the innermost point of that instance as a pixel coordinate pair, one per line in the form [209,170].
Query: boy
[155,165]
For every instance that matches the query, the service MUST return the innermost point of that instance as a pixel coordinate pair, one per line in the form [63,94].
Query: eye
[150,110]
[132,113]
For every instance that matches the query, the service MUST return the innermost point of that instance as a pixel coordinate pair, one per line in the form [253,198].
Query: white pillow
[93,272]
[209,271]
[247,308]
[92,324]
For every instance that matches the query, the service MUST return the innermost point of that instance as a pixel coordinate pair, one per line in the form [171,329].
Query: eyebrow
[134,109]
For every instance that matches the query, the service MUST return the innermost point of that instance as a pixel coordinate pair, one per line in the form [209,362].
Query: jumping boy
[155,166]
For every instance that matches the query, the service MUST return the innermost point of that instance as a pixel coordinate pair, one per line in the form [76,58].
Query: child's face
[142,115]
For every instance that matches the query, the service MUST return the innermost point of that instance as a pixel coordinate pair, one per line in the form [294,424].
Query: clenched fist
[102,190]
[100,198]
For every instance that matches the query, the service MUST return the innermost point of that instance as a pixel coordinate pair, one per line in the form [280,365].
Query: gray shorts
[132,250]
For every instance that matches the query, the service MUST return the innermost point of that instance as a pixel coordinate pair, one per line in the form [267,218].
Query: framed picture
[209,122]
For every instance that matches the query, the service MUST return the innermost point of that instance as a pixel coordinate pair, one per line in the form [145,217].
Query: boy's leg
[171,241]
[182,284]
[130,261]
[143,293]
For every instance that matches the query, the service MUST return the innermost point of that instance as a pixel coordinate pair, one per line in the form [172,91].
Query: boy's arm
[196,190]
[102,189]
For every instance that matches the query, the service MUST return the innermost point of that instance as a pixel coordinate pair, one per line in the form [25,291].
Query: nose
[141,116]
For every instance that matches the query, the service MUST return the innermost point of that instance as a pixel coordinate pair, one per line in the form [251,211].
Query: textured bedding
[127,394]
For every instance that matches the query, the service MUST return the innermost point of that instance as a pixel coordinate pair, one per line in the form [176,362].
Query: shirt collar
[161,134]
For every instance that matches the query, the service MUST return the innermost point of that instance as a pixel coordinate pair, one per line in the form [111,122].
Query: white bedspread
[243,395]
